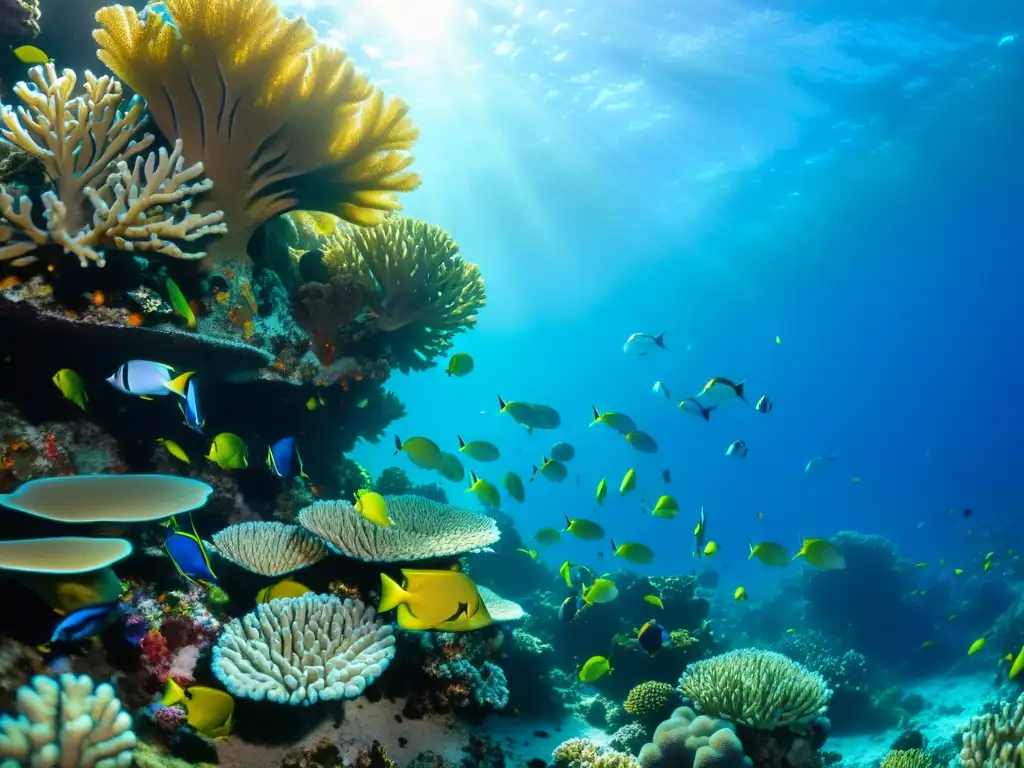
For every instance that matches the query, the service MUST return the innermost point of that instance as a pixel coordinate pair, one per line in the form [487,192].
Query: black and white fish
[693,406]
[764,404]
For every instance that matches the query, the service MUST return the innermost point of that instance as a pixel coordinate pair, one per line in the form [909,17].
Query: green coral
[584,753]
[681,638]
[906,758]
[650,700]
[761,689]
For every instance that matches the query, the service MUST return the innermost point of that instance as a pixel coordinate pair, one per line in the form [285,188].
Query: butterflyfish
[768,552]
[633,552]
[584,529]
[594,668]
[460,364]
[208,710]
[479,450]
[228,451]
[486,492]
[620,422]
[429,598]
[71,386]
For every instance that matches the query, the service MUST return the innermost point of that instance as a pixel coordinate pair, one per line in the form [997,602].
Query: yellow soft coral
[278,121]
[762,689]
[426,291]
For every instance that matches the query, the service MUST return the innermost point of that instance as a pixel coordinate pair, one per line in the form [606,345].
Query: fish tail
[391,594]
[179,384]
[660,340]
[173,694]
[739,392]
[398,445]
[706,412]
[501,404]
[597,416]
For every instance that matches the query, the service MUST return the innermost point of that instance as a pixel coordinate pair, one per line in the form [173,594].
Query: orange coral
[279,121]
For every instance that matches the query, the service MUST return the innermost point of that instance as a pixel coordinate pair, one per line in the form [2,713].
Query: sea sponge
[762,689]
[421,529]
[907,758]
[688,741]
[269,548]
[994,740]
[302,650]
[279,121]
[70,722]
[651,700]
[426,292]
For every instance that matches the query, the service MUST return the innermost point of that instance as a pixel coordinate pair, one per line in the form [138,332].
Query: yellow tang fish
[460,364]
[373,507]
[976,646]
[654,600]
[209,710]
[594,668]
[174,449]
[429,597]
[29,54]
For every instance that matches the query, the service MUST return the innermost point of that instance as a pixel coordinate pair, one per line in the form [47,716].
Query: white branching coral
[995,740]
[762,689]
[70,722]
[107,192]
[269,548]
[421,529]
[302,650]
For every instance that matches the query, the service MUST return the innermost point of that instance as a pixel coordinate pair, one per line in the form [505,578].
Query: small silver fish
[661,389]
[736,450]
[642,343]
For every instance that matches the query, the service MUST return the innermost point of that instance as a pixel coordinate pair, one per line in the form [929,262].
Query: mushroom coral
[278,120]
[425,291]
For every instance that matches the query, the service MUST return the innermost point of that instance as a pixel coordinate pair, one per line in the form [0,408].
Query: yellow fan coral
[762,689]
[279,121]
[426,291]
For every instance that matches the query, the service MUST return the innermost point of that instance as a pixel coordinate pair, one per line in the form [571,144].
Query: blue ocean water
[843,176]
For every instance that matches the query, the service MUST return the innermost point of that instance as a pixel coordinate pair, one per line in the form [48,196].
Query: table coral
[424,291]
[98,200]
[761,689]
[302,650]
[269,548]
[71,722]
[279,121]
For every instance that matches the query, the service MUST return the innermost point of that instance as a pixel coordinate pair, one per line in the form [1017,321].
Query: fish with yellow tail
[228,451]
[602,491]
[740,595]
[654,600]
[174,449]
[422,451]
[628,482]
[721,390]
[426,599]
[281,590]
[600,592]
[460,364]
[595,668]
[821,554]
[565,571]
[694,407]
[550,469]
[372,506]
[71,386]
[208,710]
[711,548]
[530,553]
[180,304]
[620,422]
[633,552]
[485,491]
[665,507]
[768,552]
[584,529]
[479,450]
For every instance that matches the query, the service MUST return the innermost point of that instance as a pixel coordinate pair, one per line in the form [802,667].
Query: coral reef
[99,200]
[907,758]
[19,20]
[583,753]
[688,741]
[394,481]
[303,650]
[421,530]
[307,130]
[423,292]
[652,700]
[761,689]
[69,722]
[993,740]
[269,548]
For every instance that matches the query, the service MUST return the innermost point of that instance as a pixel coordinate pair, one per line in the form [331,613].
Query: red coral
[155,652]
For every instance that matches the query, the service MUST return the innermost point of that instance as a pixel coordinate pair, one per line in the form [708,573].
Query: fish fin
[739,392]
[501,403]
[391,594]
[462,443]
[706,412]
[179,384]
[462,609]
[145,397]
[660,340]
[398,445]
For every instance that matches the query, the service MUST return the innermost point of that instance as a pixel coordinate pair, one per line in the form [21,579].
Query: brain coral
[269,548]
[762,689]
[651,700]
[70,722]
[688,741]
[421,529]
[995,740]
[301,650]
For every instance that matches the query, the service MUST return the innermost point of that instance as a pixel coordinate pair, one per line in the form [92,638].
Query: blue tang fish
[282,457]
[84,623]
[188,554]
[190,409]
[653,637]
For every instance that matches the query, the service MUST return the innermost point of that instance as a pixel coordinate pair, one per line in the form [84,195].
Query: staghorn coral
[70,722]
[994,740]
[279,121]
[425,292]
[907,758]
[269,548]
[688,741]
[421,529]
[651,700]
[99,200]
[761,689]
[302,650]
